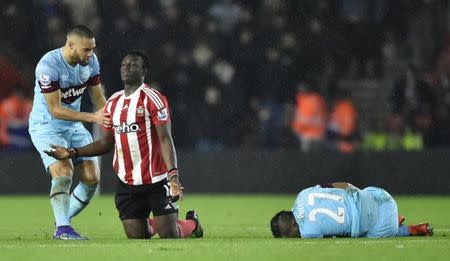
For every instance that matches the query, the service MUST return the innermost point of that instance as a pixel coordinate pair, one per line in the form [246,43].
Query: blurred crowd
[255,73]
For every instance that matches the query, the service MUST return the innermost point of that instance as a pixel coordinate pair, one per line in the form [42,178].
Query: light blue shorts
[70,137]
[386,224]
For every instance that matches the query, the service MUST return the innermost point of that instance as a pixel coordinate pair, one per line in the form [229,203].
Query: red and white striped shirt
[137,156]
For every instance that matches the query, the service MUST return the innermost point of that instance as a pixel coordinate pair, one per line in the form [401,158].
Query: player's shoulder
[94,60]
[151,91]
[311,189]
[51,59]
[154,95]
[116,96]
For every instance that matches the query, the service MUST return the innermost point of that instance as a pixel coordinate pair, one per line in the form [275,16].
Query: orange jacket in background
[343,118]
[310,115]
[14,110]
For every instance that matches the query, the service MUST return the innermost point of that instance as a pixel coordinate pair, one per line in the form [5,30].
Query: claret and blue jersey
[53,73]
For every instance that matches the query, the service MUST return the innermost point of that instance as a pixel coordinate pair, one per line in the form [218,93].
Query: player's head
[81,44]
[283,225]
[134,66]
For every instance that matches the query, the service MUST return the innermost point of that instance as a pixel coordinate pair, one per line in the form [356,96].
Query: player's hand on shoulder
[58,152]
[175,189]
[102,118]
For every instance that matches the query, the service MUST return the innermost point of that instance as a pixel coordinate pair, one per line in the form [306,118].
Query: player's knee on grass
[167,225]
[136,228]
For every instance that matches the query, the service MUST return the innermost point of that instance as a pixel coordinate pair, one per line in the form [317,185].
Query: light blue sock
[403,231]
[80,198]
[59,199]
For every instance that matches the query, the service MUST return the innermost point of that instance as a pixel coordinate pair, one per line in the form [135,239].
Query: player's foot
[198,231]
[67,233]
[422,229]
[401,219]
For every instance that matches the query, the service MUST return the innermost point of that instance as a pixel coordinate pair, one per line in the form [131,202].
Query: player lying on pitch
[342,210]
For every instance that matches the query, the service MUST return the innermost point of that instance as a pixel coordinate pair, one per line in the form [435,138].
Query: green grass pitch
[236,228]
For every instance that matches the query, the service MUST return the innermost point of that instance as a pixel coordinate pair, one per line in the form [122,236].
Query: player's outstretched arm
[97,148]
[170,159]
[58,111]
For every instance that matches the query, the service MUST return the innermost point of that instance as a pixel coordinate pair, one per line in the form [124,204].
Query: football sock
[80,198]
[403,231]
[59,199]
[185,227]
[151,227]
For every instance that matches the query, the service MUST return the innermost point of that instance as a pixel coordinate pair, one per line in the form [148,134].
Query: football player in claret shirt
[62,77]
[342,210]
[144,157]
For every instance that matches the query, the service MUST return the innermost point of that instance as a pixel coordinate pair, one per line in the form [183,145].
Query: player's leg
[190,227]
[61,173]
[387,222]
[165,215]
[136,228]
[134,208]
[86,168]
[421,229]
[167,226]
[89,175]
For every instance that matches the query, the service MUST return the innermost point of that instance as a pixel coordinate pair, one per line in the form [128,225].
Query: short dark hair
[142,55]
[281,222]
[81,30]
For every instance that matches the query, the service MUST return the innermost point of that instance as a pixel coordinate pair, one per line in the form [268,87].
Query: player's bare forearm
[97,96]
[66,114]
[60,112]
[170,159]
[97,148]
[167,146]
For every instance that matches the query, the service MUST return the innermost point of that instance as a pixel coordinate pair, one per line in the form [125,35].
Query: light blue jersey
[53,73]
[322,212]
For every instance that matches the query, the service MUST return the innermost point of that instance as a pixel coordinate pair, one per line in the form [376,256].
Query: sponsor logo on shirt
[126,128]
[72,92]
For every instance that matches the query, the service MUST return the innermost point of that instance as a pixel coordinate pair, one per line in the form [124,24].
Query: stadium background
[231,71]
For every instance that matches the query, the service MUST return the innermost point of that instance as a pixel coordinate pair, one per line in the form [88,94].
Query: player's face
[290,229]
[294,231]
[83,49]
[131,70]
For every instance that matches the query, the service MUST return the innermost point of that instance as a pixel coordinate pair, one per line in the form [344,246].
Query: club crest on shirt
[162,114]
[140,111]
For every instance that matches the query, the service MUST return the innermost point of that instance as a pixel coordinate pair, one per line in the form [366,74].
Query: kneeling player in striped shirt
[144,157]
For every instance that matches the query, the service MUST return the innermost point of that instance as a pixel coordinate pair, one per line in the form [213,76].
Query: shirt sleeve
[107,109]
[47,76]
[94,78]
[159,109]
